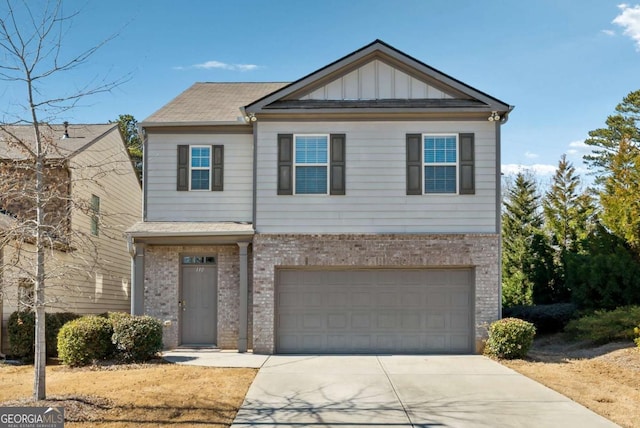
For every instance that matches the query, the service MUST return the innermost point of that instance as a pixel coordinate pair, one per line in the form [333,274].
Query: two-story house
[91,195]
[355,210]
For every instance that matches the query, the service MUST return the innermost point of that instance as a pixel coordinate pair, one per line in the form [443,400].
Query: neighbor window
[311,164]
[440,163]
[200,167]
[95,215]
[25,294]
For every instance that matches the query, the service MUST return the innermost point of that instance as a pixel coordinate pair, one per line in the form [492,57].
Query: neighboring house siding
[107,285]
[165,203]
[376,199]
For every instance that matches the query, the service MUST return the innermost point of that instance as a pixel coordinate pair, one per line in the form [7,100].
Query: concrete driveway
[403,391]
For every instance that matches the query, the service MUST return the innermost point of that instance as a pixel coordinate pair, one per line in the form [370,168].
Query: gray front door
[199,304]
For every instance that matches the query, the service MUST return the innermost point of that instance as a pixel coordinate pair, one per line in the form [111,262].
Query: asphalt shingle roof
[56,146]
[212,102]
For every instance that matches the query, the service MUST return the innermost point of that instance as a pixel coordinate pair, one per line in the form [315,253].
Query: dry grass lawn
[605,379]
[136,395]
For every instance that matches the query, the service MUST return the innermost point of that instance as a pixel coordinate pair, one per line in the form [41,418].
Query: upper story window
[200,167]
[95,215]
[440,163]
[311,164]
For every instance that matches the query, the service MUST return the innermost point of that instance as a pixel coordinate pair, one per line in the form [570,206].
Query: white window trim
[199,168]
[326,165]
[457,163]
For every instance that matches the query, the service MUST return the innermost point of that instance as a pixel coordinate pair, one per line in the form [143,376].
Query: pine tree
[527,261]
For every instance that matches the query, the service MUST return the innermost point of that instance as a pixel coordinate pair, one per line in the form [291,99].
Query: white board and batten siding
[376,199]
[376,80]
[165,203]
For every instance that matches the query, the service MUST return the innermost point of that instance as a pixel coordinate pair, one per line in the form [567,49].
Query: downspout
[499,211]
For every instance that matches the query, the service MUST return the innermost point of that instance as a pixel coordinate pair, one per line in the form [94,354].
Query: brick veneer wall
[481,251]
[161,289]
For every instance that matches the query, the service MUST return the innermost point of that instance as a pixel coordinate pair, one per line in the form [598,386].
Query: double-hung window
[199,167]
[311,164]
[440,163]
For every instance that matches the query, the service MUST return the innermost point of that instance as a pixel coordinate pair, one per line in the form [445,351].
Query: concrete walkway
[392,391]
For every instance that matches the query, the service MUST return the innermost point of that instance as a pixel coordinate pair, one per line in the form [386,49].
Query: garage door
[375,311]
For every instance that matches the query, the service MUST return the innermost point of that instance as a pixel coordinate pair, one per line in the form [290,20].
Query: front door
[199,301]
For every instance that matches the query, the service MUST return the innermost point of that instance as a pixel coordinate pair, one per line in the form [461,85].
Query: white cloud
[210,65]
[538,169]
[530,155]
[578,148]
[609,32]
[629,19]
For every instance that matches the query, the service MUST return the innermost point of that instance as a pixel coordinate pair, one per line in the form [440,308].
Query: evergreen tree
[568,218]
[615,159]
[128,126]
[527,260]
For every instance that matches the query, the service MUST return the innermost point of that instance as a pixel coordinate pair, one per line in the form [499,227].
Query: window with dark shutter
[217,168]
[467,167]
[182,177]
[285,164]
[414,164]
[338,179]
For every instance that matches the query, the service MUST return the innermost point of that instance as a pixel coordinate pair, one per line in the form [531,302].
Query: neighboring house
[355,210]
[92,195]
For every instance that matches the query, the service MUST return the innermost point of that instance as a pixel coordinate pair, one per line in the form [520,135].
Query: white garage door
[375,311]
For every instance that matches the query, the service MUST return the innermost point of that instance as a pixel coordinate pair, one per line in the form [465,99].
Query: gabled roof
[79,138]
[454,95]
[208,103]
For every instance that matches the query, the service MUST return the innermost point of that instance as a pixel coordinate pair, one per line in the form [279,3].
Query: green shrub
[510,338]
[550,318]
[605,326]
[21,332]
[84,340]
[136,338]
[637,332]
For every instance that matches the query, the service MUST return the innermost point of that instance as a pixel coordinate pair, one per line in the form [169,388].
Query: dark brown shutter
[337,165]
[285,164]
[183,168]
[414,164]
[467,168]
[217,168]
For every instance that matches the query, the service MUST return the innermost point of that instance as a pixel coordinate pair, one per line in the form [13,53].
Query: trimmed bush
[637,332]
[547,318]
[136,338]
[84,340]
[510,338]
[21,332]
[605,326]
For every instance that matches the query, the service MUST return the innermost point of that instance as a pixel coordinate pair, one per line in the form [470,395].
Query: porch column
[244,297]
[137,280]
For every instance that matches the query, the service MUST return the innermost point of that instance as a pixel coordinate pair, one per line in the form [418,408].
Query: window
[25,294]
[198,260]
[311,164]
[95,215]
[440,163]
[200,167]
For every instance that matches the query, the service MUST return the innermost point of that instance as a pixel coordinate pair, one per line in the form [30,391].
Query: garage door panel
[375,310]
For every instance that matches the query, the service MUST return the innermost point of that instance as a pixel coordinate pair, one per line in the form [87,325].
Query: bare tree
[32,56]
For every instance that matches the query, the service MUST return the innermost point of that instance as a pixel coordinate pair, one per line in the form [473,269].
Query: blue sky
[564,64]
